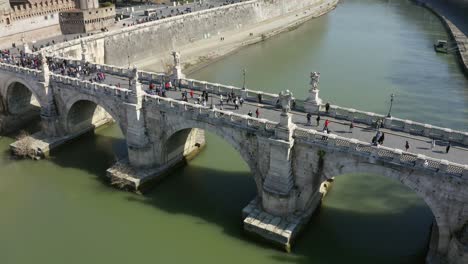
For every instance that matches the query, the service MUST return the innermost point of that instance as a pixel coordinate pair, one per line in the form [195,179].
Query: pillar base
[280,231]
[124,176]
[127,177]
[39,145]
[312,107]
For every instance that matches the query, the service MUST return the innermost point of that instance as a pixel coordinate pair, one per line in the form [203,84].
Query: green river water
[60,210]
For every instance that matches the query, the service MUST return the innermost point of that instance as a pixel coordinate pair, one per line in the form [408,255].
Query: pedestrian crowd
[21,60]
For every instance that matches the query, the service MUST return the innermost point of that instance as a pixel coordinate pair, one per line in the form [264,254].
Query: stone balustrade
[20,70]
[382,153]
[144,76]
[398,124]
[108,69]
[213,115]
[157,77]
[220,89]
[92,87]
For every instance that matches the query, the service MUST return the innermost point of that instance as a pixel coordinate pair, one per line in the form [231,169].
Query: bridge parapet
[395,156]
[92,87]
[20,70]
[216,88]
[113,70]
[198,112]
[407,126]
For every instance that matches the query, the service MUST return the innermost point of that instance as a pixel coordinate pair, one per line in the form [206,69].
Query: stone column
[177,69]
[313,102]
[279,195]
[141,151]
[49,114]
[84,52]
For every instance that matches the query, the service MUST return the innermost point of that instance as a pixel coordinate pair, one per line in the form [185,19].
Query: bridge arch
[240,140]
[424,185]
[84,112]
[19,95]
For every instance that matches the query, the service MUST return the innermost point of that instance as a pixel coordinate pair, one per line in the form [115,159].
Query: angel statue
[176,56]
[285,98]
[314,79]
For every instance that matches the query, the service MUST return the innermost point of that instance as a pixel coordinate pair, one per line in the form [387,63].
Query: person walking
[382,138]
[236,104]
[191,93]
[447,149]
[327,122]
[257,113]
[433,143]
[318,120]
[308,118]
[351,126]
[407,145]
[325,131]
[241,101]
[327,107]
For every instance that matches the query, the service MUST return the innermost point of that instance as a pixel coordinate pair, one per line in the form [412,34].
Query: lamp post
[391,104]
[211,100]
[243,73]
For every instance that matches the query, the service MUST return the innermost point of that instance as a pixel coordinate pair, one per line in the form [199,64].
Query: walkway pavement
[362,132]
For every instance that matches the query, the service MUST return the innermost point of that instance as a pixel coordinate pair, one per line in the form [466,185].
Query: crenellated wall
[23,19]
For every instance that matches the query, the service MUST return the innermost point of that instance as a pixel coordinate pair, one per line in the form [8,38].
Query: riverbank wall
[154,41]
[456,34]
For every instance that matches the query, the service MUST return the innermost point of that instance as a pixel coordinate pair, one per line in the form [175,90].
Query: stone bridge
[291,162]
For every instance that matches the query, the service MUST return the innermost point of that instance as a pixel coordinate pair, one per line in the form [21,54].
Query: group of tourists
[87,71]
[21,60]
[161,90]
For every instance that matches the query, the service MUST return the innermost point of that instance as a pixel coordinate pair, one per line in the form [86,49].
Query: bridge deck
[362,132]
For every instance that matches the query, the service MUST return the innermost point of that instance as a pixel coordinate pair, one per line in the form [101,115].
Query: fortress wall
[30,24]
[161,37]
[130,45]
[164,37]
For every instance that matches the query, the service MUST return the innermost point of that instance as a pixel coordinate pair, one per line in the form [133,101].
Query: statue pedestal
[285,127]
[244,93]
[313,102]
[177,73]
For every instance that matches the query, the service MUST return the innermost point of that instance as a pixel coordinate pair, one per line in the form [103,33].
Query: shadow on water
[92,152]
[374,227]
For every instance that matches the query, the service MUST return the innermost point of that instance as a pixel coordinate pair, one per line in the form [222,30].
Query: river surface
[60,210]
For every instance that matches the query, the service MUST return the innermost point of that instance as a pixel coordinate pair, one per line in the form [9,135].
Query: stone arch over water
[85,112]
[182,133]
[21,101]
[427,186]
[19,96]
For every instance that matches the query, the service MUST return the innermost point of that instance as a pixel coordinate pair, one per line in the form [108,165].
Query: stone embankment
[456,34]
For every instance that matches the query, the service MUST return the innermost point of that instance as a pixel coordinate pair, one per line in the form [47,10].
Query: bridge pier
[148,164]
[275,216]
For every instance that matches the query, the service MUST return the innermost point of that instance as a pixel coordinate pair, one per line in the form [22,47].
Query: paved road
[363,132]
